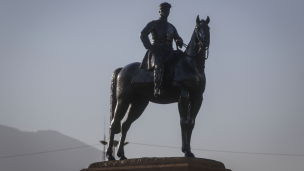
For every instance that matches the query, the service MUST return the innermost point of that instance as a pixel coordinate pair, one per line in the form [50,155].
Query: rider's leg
[158,76]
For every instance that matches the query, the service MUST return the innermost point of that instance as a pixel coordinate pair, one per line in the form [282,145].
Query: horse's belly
[163,100]
[148,92]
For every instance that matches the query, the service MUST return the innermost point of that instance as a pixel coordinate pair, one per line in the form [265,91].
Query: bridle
[200,43]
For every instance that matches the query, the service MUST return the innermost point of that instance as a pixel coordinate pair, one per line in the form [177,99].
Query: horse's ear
[207,20]
[197,19]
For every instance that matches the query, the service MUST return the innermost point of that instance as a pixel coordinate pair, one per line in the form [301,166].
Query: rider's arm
[144,35]
[178,39]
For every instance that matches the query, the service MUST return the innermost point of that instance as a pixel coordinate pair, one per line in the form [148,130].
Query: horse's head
[202,32]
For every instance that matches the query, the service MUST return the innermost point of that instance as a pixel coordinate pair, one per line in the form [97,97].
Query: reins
[207,49]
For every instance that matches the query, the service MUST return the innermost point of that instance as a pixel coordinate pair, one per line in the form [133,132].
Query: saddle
[146,77]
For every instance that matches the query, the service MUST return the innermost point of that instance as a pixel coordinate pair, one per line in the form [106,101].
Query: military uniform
[161,48]
[163,34]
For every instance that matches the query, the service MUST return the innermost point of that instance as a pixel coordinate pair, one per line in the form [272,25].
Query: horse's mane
[189,44]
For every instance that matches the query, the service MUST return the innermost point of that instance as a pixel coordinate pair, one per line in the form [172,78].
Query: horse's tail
[113,92]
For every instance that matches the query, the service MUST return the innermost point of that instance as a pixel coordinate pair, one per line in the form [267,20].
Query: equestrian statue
[165,76]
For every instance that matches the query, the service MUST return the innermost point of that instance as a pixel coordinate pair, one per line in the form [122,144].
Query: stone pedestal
[159,164]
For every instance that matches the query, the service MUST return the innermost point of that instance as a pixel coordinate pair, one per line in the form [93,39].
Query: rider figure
[161,48]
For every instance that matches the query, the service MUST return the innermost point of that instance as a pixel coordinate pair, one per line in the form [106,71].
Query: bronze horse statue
[187,88]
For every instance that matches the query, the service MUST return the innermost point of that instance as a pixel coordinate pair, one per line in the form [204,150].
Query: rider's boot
[158,76]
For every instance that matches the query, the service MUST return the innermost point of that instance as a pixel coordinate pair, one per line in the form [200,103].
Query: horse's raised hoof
[189,154]
[123,157]
[110,158]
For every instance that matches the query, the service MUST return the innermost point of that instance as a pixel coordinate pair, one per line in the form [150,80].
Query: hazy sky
[57,58]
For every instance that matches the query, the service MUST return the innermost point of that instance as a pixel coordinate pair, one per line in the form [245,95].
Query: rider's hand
[180,43]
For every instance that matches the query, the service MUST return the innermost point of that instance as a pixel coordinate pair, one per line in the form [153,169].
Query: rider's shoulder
[152,22]
[171,25]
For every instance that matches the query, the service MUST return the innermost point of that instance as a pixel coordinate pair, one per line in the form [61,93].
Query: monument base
[159,164]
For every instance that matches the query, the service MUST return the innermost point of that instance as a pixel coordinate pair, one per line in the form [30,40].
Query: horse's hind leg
[137,107]
[120,110]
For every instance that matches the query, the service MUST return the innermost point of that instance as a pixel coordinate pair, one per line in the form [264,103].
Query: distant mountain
[15,142]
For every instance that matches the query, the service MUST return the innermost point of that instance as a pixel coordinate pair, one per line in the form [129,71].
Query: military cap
[164,5]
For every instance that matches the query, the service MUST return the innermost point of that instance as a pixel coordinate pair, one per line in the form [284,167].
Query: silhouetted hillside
[15,142]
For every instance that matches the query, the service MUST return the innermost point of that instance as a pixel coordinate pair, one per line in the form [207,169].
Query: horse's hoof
[189,154]
[110,158]
[123,157]
[185,147]
[120,153]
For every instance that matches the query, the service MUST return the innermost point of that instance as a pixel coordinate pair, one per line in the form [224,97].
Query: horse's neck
[193,50]
[200,61]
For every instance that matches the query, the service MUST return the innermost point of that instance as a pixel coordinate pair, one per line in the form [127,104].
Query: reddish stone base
[159,164]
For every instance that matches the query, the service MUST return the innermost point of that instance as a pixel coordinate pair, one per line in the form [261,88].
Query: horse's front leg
[188,109]
[194,107]
[183,107]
